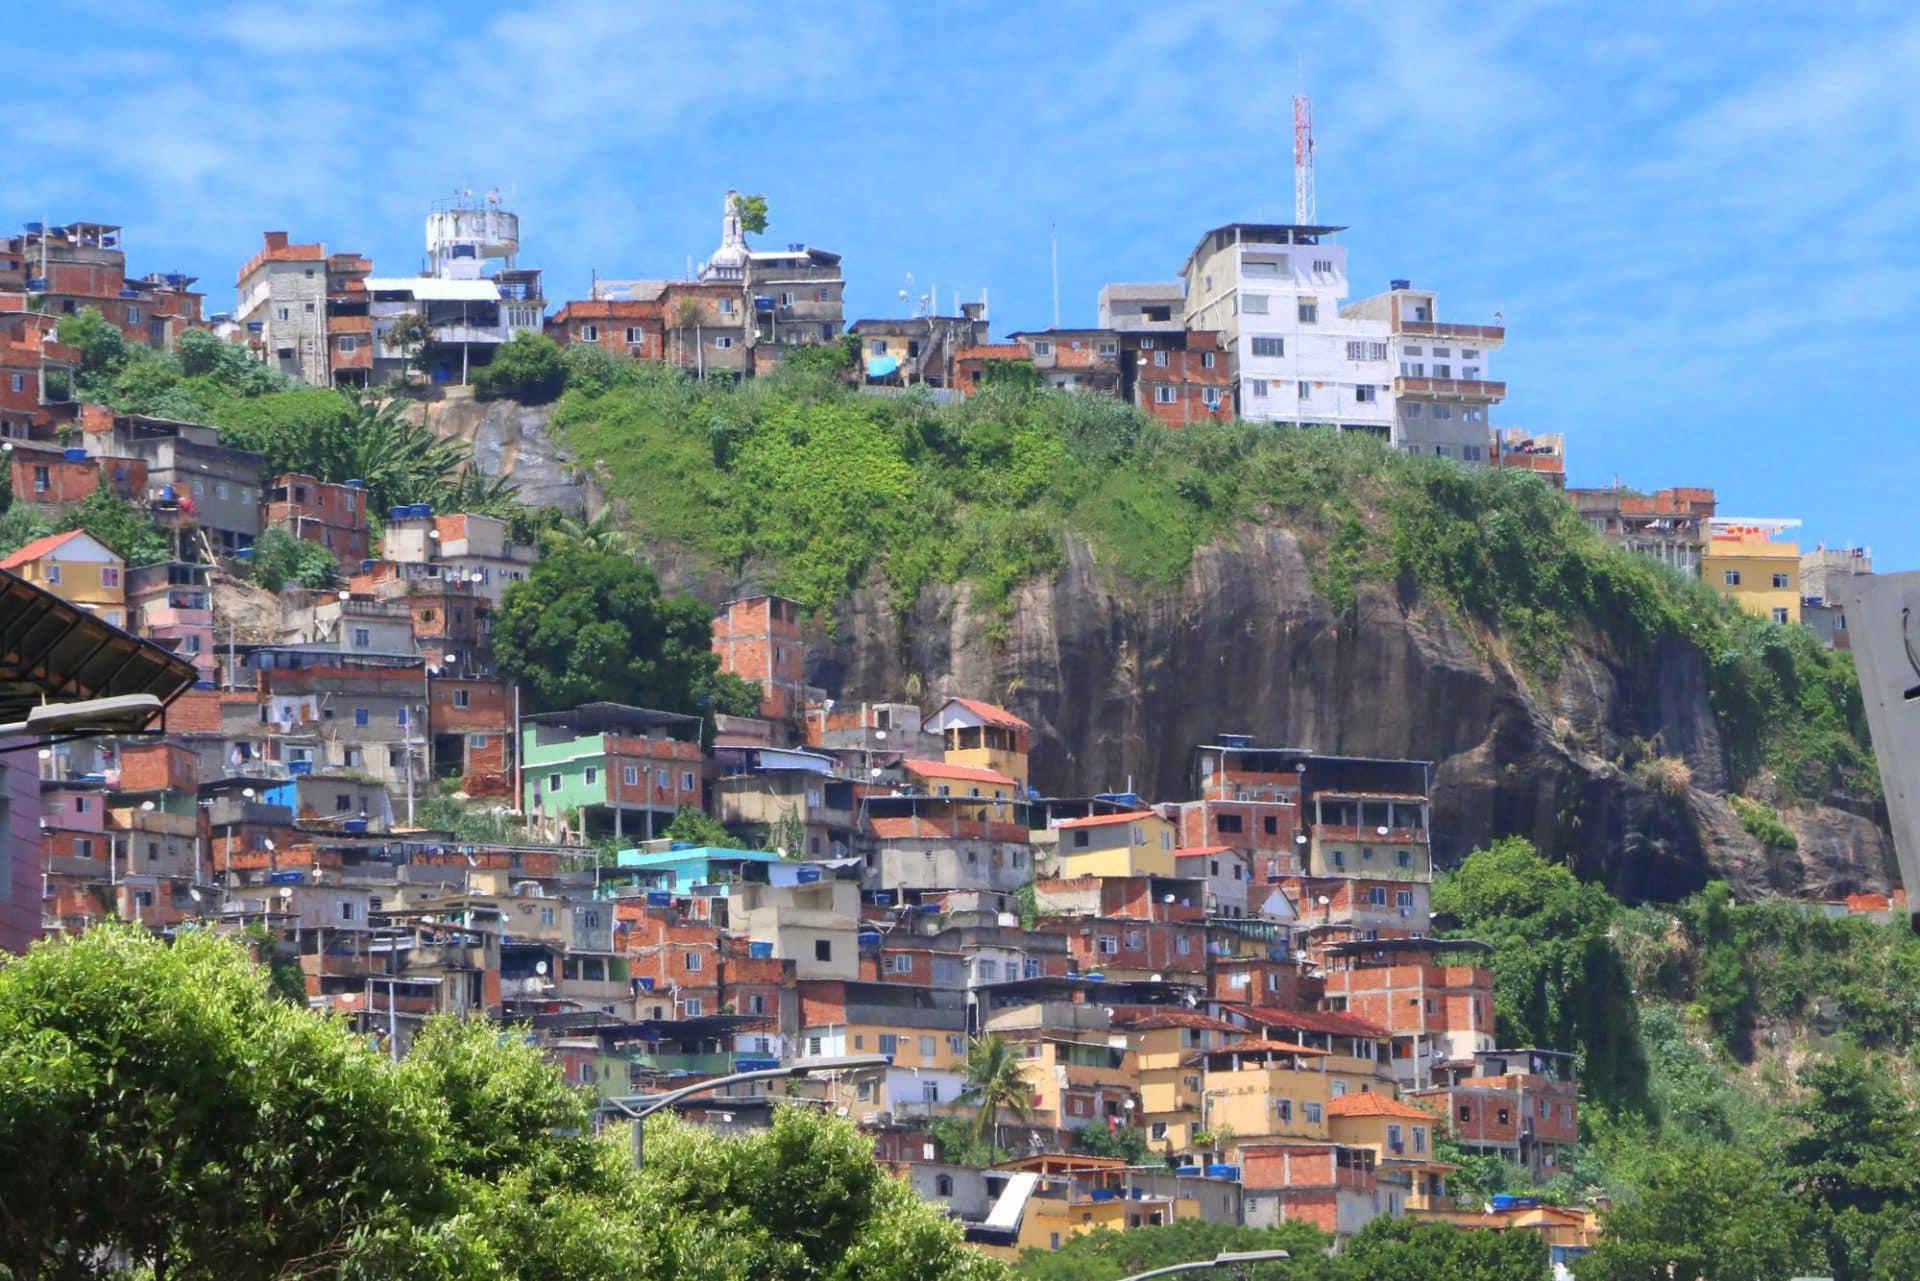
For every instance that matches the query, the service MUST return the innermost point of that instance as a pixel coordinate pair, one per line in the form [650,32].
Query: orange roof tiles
[1268,1047]
[40,547]
[990,714]
[1104,820]
[970,773]
[1179,1018]
[1371,1104]
[1321,1021]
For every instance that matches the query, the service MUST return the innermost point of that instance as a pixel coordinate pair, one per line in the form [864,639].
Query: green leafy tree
[102,347]
[527,368]
[1856,1163]
[1558,983]
[752,212]
[1721,979]
[164,1114]
[20,526]
[600,532]
[120,525]
[1127,1142]
[696,828]
[408,334]
[586,626]
[279,558]
[957,1143]
[1393,1249]
[995,1084]
[1105,1254]
[1702,1212]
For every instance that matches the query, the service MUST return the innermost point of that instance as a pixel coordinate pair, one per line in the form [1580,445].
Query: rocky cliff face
[1120,684]
[512,440]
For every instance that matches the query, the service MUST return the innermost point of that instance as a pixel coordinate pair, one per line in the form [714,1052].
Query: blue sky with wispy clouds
[1699,220]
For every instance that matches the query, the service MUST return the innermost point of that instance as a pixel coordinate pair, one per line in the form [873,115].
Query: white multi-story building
[469,311]
[1275,293]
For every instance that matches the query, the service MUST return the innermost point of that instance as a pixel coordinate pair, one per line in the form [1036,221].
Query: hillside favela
[1073,687]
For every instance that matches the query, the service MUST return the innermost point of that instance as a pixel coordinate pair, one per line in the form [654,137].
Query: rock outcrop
[512,440]
[1121,682]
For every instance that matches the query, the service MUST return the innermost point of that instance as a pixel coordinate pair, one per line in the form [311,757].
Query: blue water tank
[355,826]
[869,938]
[76,455]
[883,898]
[659,898]
[1095,977]
[1192,1171]
[367,564]
[1220,1170]
[646,984]
[244,554]
[760,951]
[1504,1200]
[420,509]
[808,875]
[398,513]
[356,484]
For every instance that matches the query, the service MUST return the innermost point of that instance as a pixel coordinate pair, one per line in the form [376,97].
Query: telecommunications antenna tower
[1303,202]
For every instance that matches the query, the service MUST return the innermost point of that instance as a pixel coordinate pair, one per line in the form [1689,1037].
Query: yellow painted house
[1163,1046]
[1134,844]
[1261,1090]
[79,569]
[1747,562]
[983,736]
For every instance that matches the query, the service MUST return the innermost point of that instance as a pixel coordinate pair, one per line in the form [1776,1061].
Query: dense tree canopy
[160,1108]
[280,559]
[1706,1213]
[527,368]
[1557,981]
[587,626]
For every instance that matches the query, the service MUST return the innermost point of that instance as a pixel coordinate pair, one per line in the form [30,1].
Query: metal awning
[52,651]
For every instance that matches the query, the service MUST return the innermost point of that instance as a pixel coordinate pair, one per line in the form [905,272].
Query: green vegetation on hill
[1757,1058]
[818,488]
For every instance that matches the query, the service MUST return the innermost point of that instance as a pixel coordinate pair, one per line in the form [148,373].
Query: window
[1419,1138]
[1258,388]
[1470,372]
[1731,578]
[889,1044]
[53,574]
[1440,413]
[348,344]
[1166,395]
[360,716]
[282,313]
[1159,1130]
[346,911]
[990,972]
[1443,352]
[1469,353]
[1312,1112]
[110,577]
[1183,945]
[1135,940]
[553,783]
[786,298]
[1377,896]
[943,1185]
[693,962]
[477,740]
[593,776]
[1309,312]
[1323,266]
[1227,823]
[362,638]
[903,964]
[400,716]
[1779,580]
[631,776]
[1305,389]
[1042,347]
[1107,944]
[695,1007]
[686,783]
[1466,1112]
[1443,371]
[1403,899]
[1253,304]
[723,342]
[1269,346]
[19,382]
[1212,397]
[1206,359]
[1409,409]
[813,1045]
[1337,1087]
[1365,394]
[1283,1108]
[462,698]
[823,949]
[1160,359]
[926,1052]
[1506,1117]
[1360,350]
[1779,614]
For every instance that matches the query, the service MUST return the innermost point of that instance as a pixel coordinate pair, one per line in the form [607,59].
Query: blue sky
[1700,220]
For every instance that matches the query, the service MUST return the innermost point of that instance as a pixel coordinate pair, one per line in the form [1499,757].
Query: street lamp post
[645,1108]
[1225,1259]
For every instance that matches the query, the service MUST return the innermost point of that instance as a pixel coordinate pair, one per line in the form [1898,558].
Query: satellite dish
[540,969]
[880,734]
[147,806]
[1167,898]
[1300,839]
[268,842]
[194,895]
[1159,978]
[286,891]
[1323,900]
[1381,830]
[781,850]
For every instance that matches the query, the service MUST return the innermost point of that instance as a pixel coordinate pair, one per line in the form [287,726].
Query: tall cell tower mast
[1304,212]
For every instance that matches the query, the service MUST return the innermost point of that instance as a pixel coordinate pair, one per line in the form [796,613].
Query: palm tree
[995,1080]
[600,533]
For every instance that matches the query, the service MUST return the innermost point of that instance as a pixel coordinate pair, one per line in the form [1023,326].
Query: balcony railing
[1464,388]
[1486,335]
